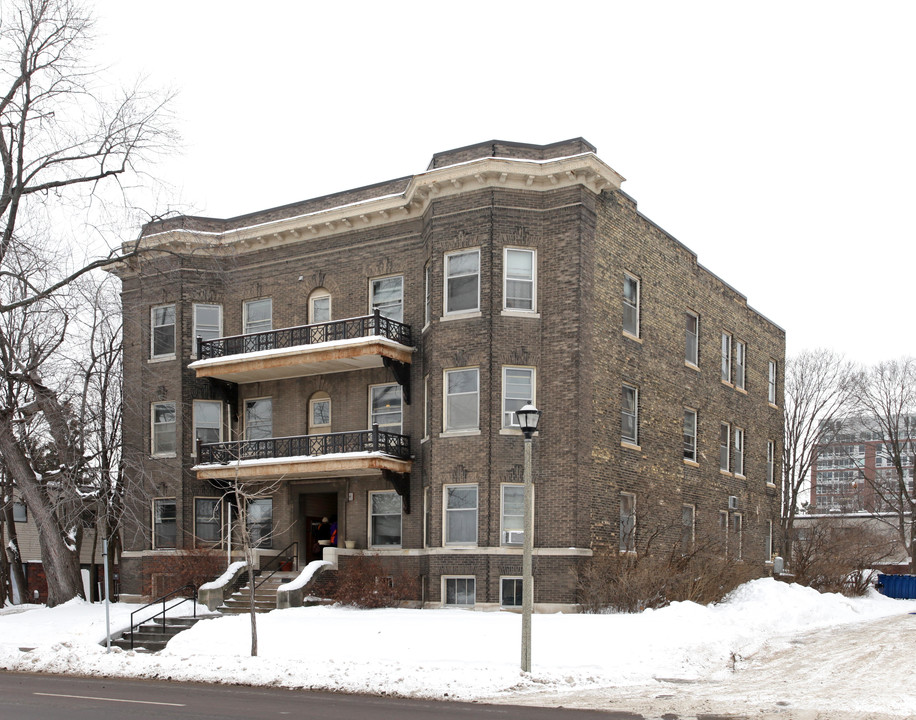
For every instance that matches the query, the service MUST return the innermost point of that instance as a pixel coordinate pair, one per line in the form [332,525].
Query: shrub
[830,557]
[365,582]
[632,582]
[183,567]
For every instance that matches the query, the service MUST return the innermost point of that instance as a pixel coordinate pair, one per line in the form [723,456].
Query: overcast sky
[776,140]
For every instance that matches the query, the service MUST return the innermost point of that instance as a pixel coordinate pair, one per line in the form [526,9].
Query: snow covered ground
[771,649]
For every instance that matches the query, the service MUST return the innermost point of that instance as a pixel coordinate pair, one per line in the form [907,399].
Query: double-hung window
[319,306]
[688,513]
[725,433]
[164,438]
[726,357]
[771,382]
[461,515]
[258,316]
[20,512]
[387,294]
[513,514]
[690,435]
[462,282]
[208,322]
[162,332]
[385,407]
[740,363]
[771,462]
[631,305]
[518,391]
[519,280]
[739,451]
[165,528]
[627,522]
[737,539]
[260,522]
[208,421]
[629,415]
[259,424]
[462,399]
[385,519]
[207,520]
[319,413]
[428,298]
[692,348]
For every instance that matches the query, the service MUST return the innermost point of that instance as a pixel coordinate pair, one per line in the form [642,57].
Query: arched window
[319,413]
[319,306]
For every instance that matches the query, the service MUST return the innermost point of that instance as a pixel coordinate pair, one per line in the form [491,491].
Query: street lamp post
[528,417]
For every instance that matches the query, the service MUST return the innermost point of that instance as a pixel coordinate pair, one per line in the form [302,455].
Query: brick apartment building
[851,468]
[362,355]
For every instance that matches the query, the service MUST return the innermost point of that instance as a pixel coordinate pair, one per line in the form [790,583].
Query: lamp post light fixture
[528,417]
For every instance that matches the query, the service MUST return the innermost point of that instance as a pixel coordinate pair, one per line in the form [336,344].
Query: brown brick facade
[565,205]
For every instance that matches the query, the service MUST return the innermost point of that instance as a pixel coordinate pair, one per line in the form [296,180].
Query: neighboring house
[848,471]
[366,352]
[30,551]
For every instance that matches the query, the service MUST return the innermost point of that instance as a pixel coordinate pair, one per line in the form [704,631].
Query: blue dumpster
[902,587]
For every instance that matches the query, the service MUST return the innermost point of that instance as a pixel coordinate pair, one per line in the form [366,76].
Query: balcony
[342,454]
[331,347]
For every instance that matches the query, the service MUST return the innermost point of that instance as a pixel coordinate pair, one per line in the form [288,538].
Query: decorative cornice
[585,169]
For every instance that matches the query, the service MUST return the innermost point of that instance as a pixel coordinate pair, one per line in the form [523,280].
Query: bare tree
[62,141]
[817,393]
[886,396]
[245,495]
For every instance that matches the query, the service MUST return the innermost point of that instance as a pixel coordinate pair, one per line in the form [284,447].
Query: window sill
[689,364]
[461,546]
[160,456]
[739,476]
[162,358]
[773,405]
[459,433]
[424,439]
[425,328]
[629,445]
[634,338]
[461,316]
[691,463]
[727,383]
[740,390]
[727,473]
[514,431]
[771,486]
[521,313]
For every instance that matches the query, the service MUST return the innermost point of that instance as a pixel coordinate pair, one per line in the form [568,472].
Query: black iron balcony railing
[335,330]
[373,440]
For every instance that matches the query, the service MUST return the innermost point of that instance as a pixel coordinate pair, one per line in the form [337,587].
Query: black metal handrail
[335,330]
[295,557]
[191,587]
[373,440]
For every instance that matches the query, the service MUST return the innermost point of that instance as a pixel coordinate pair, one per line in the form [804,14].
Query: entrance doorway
[313,509]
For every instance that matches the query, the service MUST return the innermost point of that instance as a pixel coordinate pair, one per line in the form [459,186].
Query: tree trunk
[15,573]
[60,560]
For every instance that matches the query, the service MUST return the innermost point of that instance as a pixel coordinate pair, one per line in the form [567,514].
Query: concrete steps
[265,597]
[153,636]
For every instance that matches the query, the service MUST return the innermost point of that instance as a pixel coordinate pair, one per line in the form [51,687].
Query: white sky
[775,140]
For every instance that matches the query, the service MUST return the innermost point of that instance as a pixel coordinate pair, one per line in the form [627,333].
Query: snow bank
[456,653]
[225,578]
[303,578]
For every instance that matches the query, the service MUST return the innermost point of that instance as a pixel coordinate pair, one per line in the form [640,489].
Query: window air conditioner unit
[514,537]
[732,502]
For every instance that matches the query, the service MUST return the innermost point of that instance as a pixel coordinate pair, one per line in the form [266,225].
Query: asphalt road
[55,697]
